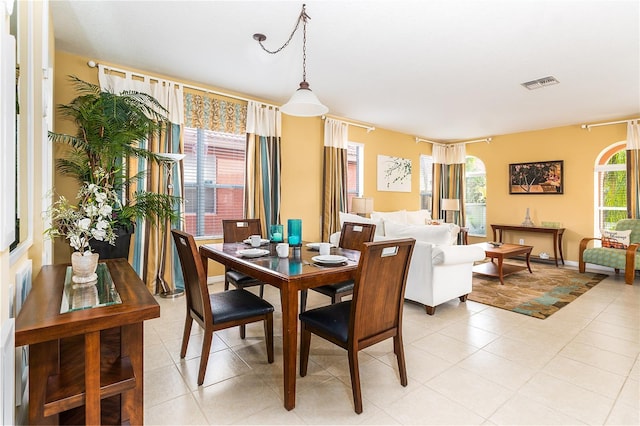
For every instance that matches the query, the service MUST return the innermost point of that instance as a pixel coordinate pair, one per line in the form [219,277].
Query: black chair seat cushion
[331,289]
[332,319]
[237,304]
[239,277]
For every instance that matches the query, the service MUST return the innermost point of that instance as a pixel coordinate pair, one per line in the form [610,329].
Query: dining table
[290,275]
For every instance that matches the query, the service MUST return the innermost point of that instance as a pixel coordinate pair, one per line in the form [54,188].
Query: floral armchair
[617,255]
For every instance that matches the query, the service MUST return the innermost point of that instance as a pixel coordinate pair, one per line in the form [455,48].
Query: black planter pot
[121,249]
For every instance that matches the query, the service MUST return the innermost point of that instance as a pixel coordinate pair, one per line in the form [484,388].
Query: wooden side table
[86,358]
[556,234]
[500,253]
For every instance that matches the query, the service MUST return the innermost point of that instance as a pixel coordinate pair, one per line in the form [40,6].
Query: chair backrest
[195,281]
[633,225]
[237,230]
[353,235]
[378,294]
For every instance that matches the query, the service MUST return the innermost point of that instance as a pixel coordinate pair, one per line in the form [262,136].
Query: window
[214,169]
[475,197]
[611,187]
[355,171]
[426,182]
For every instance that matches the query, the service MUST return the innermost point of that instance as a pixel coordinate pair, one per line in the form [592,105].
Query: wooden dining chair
[216,311]
[352,236]
[235,231]
[373,314]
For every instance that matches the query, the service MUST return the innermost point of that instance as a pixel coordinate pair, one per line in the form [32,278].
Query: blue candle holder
[276,233]
[294,232]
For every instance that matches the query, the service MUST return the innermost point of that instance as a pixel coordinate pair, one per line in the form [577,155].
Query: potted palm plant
[110,130]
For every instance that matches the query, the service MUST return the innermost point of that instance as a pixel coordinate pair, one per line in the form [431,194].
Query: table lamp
[449,205]
[361,206]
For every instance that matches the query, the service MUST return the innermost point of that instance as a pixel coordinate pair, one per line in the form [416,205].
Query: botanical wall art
[543,177]
[394,174]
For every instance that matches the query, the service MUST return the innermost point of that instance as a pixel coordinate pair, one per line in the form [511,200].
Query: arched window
[475,197]
[610,187]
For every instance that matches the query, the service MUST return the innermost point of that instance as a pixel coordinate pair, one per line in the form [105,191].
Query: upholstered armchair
[618,255]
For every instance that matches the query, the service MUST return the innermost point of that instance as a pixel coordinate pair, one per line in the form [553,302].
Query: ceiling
[446,70]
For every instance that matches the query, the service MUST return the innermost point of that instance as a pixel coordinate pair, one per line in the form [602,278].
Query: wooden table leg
[555,248]
[92,377]
[43,362]
[528,264]
[560,248]
[132,338]
[289,300]
[500,277]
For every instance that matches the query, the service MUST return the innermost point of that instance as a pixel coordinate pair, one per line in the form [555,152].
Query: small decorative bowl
[495,243]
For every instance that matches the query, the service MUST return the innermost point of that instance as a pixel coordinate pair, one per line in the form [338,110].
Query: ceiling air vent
[541,82]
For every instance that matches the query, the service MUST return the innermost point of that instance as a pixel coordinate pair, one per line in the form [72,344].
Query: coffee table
[501,269]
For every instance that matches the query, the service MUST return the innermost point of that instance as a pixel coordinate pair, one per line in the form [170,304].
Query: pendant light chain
[302,17]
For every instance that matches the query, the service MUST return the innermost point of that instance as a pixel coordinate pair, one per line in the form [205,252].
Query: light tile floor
[467,364]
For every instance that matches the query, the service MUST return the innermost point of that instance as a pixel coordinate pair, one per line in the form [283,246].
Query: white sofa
[440,270]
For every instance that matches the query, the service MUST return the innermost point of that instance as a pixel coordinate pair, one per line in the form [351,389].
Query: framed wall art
[541,177]
[394,174]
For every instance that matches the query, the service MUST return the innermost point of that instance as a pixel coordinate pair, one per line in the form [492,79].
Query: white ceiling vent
[541,82]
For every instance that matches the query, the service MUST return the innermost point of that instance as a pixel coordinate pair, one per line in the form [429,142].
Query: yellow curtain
[633,169]
[334,197]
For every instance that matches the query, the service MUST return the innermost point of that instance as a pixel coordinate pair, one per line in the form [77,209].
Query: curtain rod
[350,123]
[487,140]
[589,126]
[93,64]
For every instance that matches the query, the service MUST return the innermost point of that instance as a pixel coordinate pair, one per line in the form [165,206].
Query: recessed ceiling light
[541,82]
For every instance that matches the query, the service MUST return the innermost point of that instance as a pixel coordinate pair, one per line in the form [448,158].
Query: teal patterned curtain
[449,177]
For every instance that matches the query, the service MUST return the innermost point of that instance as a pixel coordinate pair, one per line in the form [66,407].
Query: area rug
[539,295]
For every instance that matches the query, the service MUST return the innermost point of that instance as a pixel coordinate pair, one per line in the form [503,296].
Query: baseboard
[215,279]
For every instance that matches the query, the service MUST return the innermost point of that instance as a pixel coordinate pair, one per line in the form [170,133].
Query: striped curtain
[146,253]
[633,169]
[263,164]
[449,178]
[334,196]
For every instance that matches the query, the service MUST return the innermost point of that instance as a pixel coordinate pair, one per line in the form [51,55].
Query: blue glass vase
[294,232]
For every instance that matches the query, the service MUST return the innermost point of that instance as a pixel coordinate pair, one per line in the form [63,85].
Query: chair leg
[243,331]
[305,343]
[336,298]
[355,379]
[204,357]
[185,335]
[268,336]
[398,349]
[261,291]
[303,300]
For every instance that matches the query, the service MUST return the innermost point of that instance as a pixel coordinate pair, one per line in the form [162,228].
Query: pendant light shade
[304,103]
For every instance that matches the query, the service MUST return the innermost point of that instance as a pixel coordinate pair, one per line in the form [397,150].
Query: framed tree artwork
[394,174]
[541,177]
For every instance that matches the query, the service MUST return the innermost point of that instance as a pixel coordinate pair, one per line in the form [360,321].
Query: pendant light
[303,103]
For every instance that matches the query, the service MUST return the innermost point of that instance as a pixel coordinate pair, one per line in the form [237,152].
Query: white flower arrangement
[92,218]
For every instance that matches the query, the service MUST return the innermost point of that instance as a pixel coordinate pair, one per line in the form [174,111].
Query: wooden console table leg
[92,377]
[43,362]
[132,338]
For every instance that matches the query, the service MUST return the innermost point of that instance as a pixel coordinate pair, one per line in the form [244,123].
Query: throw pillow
[350,217]
[399,216]
[437,235]
[418,217]
[616,239]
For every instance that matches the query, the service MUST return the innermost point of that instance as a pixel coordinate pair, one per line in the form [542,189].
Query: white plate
[254,252]
[262,241]
[315,246]
[329,258]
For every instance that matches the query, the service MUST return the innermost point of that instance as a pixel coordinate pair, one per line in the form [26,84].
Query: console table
[85,366]
[556,233]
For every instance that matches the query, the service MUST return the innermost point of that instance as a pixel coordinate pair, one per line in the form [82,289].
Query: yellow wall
[302,152]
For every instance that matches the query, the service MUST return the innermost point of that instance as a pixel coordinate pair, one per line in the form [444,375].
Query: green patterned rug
[539,295]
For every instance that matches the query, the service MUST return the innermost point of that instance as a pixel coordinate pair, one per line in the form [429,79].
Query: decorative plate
[254,252]
[315,246]
[330,259]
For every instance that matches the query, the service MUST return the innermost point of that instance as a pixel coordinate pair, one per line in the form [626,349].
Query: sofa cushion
[399,216]
[438,235]
[350,217]
[615,239]
[418,217]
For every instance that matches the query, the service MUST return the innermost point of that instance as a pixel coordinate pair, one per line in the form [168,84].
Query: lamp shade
[169,156]
[450,204]
[304,103]
[361,205]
